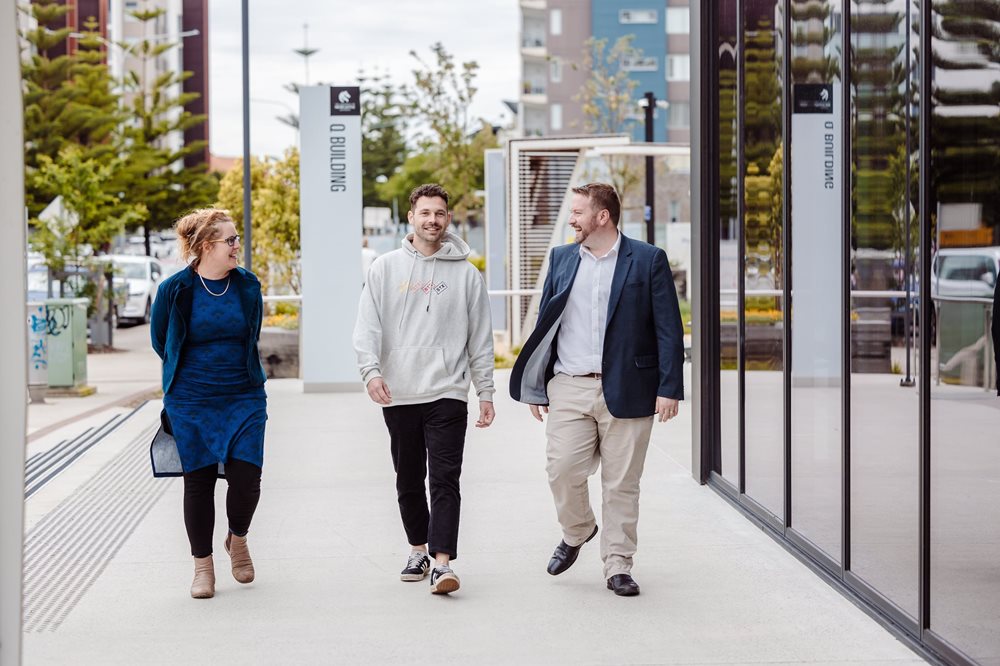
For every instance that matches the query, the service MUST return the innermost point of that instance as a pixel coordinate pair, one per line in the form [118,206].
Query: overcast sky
[373,34]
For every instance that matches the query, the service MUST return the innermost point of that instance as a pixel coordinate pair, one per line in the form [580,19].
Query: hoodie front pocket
[412,372]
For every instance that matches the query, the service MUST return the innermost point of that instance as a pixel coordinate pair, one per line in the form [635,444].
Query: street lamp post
[305,51]
[247,254]
[649,103]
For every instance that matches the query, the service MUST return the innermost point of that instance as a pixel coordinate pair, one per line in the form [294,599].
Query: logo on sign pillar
[812,98]
[344,101]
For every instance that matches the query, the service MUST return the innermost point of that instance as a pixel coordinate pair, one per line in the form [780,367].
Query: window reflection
[763,227]
[965,408]
[885,411]
[817,274]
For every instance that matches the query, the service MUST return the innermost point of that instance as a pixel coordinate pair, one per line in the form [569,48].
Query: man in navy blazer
[605,357]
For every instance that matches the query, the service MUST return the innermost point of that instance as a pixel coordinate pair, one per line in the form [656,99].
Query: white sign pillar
[330,209]
[13,341]
[817,233]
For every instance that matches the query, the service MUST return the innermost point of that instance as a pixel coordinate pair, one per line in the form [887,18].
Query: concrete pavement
[109,568]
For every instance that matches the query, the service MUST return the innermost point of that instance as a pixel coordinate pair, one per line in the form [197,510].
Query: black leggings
[199,502]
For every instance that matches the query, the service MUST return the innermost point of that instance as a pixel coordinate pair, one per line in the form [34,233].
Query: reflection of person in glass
[205,326]
[606,356]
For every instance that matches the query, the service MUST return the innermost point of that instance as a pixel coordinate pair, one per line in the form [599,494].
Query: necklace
[212,292]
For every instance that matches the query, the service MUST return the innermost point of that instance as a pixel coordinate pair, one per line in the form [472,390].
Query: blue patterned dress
[215,413]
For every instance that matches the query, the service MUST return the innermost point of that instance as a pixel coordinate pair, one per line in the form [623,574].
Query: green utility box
[67,342]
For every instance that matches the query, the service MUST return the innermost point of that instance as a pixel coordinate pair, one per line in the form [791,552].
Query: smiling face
[582,217]
[217,257]
[430,219]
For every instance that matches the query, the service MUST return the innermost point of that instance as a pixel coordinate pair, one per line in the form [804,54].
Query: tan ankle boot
[203,586]
[239,555]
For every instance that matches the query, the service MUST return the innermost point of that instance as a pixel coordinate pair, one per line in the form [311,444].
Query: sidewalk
[110,568]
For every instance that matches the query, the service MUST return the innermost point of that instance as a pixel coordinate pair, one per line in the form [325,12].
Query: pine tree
[383,145]
[71,114]
[67,100]
[155,172]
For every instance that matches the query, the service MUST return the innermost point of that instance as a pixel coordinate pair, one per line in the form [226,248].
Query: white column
[330,211]
[13,340]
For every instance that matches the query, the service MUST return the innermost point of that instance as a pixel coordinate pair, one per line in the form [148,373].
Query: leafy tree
[85,229]
[440,97]
[274,201]
[383,144]
[82,184]
[607,99]
[416,170]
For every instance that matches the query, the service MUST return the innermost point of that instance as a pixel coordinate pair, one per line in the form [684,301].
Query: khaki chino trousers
[582,435]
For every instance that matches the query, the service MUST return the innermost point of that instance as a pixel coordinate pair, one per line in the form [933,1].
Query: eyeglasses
[231,241]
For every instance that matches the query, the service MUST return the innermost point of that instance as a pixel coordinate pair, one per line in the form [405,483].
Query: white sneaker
[416,567]
[444,580]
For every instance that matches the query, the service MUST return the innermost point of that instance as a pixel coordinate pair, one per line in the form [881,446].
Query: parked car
[142,275]
[966,271]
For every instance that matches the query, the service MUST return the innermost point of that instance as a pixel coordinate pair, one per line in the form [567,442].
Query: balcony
[534,92]
[533,36]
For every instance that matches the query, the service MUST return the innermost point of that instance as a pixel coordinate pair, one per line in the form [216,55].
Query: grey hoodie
[424,325]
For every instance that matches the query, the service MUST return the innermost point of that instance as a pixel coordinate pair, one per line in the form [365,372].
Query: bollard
[38,353]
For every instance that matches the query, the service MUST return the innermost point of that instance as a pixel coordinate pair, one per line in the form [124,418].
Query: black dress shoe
[564,555]
[623,585]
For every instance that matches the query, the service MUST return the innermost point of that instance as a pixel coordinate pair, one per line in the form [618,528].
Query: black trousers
[429,437]
[199,502]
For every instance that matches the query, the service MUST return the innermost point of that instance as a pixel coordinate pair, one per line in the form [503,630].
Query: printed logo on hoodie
[423,287]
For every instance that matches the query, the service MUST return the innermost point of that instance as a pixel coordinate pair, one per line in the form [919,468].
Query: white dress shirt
[580,341]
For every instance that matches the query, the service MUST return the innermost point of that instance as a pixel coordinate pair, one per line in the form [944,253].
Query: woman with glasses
[205,326]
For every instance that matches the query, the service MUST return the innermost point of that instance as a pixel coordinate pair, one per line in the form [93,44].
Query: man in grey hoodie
[423,333]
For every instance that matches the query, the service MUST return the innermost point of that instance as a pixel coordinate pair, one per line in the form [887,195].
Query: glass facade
[964,211]
[855,246]
[763,242]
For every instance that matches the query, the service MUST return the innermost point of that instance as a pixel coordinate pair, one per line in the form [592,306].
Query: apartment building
[553,35]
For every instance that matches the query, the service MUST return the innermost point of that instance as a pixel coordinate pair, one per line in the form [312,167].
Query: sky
[376,35]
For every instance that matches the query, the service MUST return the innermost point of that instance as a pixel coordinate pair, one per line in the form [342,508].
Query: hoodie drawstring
[406,293]
[430,288]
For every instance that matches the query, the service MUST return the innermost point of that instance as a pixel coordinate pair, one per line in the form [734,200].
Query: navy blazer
[643,352]
[171,317]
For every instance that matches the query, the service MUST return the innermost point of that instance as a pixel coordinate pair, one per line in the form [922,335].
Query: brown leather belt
[594,375]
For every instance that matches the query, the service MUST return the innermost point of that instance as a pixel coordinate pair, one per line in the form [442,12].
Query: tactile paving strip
[66,552]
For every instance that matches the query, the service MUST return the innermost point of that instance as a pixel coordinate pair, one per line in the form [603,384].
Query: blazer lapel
[572,266]
[621,272]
